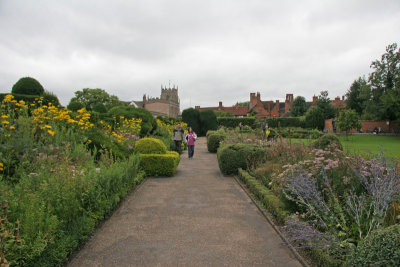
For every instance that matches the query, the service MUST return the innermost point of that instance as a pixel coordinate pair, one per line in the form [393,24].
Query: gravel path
[196,218]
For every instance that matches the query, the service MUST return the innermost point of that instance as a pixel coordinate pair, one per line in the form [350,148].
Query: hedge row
[213,141]
[231,157]
[234,122]
[286,122]
[271,202]
[160,164]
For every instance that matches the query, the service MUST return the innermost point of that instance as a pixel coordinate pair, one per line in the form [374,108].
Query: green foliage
[315,118]
[220,113]
[234,122]
[231,157]
[300,133]
[285,122]
[348,119]
[47,98]
[213,141]
[160,164]
[208,121]
[328,140]
[163,135]
[381,248]
[75,105]
[271,202]
[192,117]
[150,146]
[100,143]
[298,107]
[148,124]
[90,97]
[27,86]
[358,95]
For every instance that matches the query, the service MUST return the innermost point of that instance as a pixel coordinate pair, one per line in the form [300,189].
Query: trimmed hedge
[160,164]
[286,122]
[234,122]
[213,141]
[270,201]
[150,146]
[231,157]
[381,248]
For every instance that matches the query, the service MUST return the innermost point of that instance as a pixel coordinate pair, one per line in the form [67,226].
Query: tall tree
[89,98]
[324,104]
[358,95]
[298,107]
[385,82]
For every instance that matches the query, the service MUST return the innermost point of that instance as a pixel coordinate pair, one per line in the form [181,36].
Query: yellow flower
[8,98]
[4,116]
[5,122]
[48,126]
[1,166]
[12,128]
[51,132]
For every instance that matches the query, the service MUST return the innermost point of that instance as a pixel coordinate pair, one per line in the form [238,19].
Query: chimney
[258,96]
[197,107]
[277,104]
[314,99]
[220,104]
[342,97]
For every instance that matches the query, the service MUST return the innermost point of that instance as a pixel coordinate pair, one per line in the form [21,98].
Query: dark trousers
[190,151]
[178,146]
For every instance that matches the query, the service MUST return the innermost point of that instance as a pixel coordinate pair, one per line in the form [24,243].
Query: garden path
[196,218]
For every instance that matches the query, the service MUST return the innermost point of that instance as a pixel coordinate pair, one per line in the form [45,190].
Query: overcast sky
[214,50]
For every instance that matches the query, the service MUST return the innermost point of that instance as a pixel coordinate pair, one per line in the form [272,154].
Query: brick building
[167,105]
[262,109]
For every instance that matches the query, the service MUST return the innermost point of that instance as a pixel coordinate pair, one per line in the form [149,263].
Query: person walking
[177,137]
[190,139]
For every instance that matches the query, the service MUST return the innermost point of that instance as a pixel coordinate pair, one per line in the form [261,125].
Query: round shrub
[328,140]
[234,156]
[381,248]
[150,146]
[213,141]
[27,86]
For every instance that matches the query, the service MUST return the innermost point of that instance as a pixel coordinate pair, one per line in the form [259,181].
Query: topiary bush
[234,156]
[150,146]
[381,248]
[160,164]
[213,141]
[27,86]
[328,140]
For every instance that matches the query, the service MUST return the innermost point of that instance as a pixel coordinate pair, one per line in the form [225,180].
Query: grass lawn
[362,144]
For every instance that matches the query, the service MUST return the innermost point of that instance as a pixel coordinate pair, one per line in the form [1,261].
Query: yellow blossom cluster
[126,129]
[170,127]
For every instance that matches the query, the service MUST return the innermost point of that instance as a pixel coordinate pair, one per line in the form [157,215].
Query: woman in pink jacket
[190,139]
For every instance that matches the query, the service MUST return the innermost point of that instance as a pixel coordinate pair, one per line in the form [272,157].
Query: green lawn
[360,144]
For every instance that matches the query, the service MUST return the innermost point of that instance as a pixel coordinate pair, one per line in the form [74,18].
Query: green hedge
[327,140]
[271,202]
[234,122]
[150,146]
[213,141]
[160,164]
[286,122]
[381,248]
[301,133]
[231,157]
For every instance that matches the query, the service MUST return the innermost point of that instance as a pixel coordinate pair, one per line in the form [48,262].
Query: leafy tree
[89,98]
[324,104]
[315,118]
[243,104]
[74,105]
[298,107]
[192,117]
[358,95]
[27,86]
[208,121]
[385,82]
[348,119]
